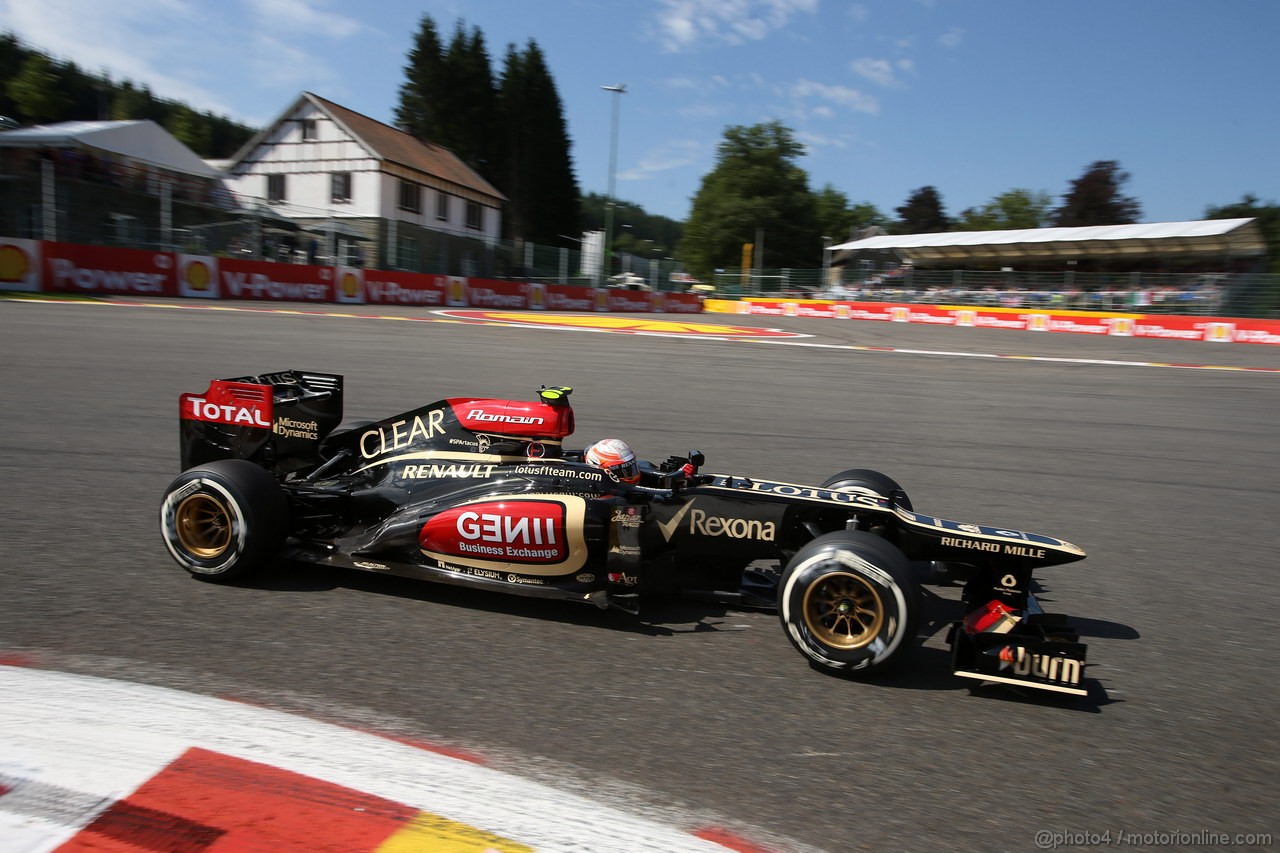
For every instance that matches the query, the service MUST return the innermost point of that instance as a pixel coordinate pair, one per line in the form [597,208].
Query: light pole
[609,204]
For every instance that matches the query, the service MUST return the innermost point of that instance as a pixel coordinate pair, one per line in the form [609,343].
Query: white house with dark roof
[357,181]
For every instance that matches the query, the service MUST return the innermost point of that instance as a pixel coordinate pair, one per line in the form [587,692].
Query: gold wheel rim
[203,526]
[843,610]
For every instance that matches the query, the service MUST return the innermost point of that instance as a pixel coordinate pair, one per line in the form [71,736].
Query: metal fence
[1234,294]
[79,199]
[74,198]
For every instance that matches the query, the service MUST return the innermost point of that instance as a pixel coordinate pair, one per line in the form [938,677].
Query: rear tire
[863,479]
[224,520]
[847,602]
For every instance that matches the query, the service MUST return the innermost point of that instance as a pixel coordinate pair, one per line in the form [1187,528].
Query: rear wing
[276,419]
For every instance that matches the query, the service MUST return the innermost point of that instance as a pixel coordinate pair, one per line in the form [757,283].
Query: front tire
[847,602]
[223,520]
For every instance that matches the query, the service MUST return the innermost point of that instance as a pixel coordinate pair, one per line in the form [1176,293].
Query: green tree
[537,178]
[37,91]
[755,186]
[1268,221]
[189,127]
[922,213]
[1095,198]
[1017,208]
[839,219]
[636,231]
[416,114]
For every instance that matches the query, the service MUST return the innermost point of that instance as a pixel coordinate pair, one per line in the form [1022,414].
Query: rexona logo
[507,531]
[704,524]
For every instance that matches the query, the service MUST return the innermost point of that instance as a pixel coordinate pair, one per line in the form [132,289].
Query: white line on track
[1091,362]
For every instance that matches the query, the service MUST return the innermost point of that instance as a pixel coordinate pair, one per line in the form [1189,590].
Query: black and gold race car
[482,492]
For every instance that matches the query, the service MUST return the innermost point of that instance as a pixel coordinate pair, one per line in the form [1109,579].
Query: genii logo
[197,277]
[525,532]
[350,287]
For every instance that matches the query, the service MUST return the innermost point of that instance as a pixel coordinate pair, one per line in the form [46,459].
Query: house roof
[1222,237]
[140,140]
[387,143]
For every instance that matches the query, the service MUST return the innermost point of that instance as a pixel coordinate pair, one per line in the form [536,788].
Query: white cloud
[952,38]
[675,154]
[302,16]
[858,12]
[684,24]
[844,96]
[879,71]
[818,140]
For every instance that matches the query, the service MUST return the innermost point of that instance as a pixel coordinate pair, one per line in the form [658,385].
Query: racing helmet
[615,458]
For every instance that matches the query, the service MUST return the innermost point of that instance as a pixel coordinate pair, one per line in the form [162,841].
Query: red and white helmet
[616,458]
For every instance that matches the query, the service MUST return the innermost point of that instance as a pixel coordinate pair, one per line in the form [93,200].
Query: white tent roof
[144,141]
[1226,237]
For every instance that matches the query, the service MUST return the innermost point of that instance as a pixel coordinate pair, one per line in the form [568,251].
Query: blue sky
[974,97]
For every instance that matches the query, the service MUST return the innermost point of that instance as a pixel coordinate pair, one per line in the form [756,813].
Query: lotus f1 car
[482,492]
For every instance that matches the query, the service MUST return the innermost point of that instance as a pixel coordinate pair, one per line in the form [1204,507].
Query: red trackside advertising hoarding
[71,268]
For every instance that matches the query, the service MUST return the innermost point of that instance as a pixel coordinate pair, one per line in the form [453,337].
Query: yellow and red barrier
[1116,324]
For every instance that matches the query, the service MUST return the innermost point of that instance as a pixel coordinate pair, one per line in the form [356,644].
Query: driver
[615,458]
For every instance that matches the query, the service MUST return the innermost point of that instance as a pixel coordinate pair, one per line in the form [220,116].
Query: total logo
[251,413]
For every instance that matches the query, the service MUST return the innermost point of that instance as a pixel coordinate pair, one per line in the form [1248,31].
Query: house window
[275,187]
[410,197]
[340,187]
[407,254]
[442,207]
[308,129]
[475,215]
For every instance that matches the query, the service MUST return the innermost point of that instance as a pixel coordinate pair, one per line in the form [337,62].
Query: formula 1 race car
[481,492]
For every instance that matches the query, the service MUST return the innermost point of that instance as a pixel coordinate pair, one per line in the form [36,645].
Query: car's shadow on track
[925,667]
[660,617]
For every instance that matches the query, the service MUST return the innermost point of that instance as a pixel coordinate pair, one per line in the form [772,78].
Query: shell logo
[197,276]
[843,312]
[1038,322]
[1122,327]
[1220,332]
[536,299]
[14,264]
[602,300]
[900,314]
[790,309]
[657,301]
[457,291]
[350,285]
[966,318]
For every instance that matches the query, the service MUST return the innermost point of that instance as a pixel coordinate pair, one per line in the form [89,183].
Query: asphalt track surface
[1167,477]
